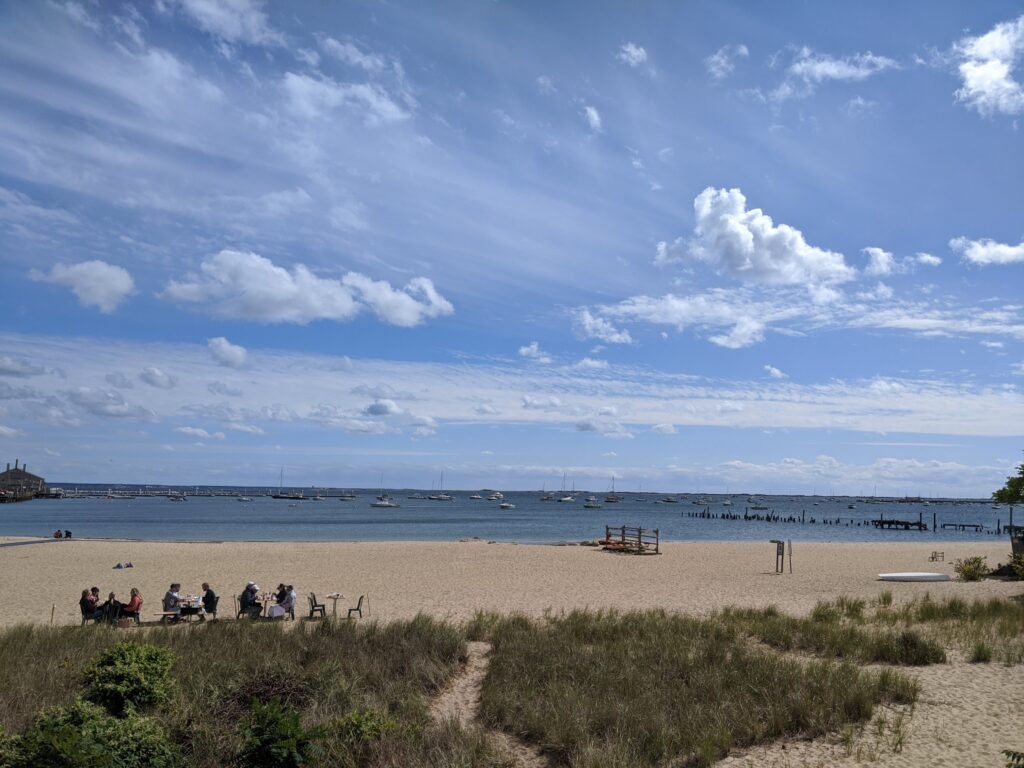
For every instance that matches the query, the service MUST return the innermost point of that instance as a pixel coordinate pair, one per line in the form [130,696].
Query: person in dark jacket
[209,602]
[87,604]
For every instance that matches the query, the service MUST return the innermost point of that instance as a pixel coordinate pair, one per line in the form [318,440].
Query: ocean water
[224,518]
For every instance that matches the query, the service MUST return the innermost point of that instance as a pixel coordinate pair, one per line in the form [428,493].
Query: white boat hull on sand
[913,576]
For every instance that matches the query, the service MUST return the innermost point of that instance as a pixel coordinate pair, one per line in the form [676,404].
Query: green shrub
[972,568]
[129,677]
[906,647]
[981,653]
[274,736]
[1017,566]
[83,735]
[362,726]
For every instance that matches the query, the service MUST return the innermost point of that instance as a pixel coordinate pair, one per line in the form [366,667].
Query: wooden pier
[902,525]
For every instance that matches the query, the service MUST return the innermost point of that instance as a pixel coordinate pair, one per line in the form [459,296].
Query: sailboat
[572,496]
[292,496]
[384,500]
[546,495]
[613,497]
[440,495]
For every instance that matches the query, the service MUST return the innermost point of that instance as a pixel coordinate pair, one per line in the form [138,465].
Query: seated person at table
[279,609]
[209,602]
[111,609]
[133,607]
[172,600]
[247,600]
[87,604]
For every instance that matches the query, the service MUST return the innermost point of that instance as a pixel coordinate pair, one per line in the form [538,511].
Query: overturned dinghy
[913,576]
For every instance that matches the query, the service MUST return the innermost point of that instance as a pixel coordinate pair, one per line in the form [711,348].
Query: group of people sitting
[111,609]
[174,603]
[284,601]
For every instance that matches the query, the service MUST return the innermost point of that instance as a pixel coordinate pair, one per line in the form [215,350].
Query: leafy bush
[363,726]
[274,736]
[129,677]
[1017,566]
[83,735]
[972,568]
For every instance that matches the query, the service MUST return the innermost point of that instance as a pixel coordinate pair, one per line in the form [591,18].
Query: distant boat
[496,496]
[440,495]
[851,506]
[506,505]
[243,498]
[281,492]
[613,497]
[595,504]
[384,501]
[172,497]
[727,503]
[666,500]
[416,496]
[702,501]
[547,495]
[476,497]
[567,499]
[346,496]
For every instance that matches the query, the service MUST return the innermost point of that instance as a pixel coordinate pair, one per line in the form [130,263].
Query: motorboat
[476,497]
[496,496]
[506,505]
[385,501]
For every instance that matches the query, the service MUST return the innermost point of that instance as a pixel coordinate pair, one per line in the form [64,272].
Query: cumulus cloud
[312,97]
[632,54]
[593,118]
[590,364]
[158,378]
[234,21]
[247,286]
[588,326]
[95,283]
[226,353]
[383,407]
[984,252]
[119,380]
[880,262]
[200,433]
[808,69]
[19,367]
[606,426]
[544,403]
[532,351]
[987,65]
[664,429]
[722,62]
[880,292]
[109,404]
[221,389]
[927,260]
[749,246]
[774,372]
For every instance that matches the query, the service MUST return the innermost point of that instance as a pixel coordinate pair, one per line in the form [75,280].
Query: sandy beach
[967,713]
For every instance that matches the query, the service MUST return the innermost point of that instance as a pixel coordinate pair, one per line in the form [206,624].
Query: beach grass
[326,671]
[603,689]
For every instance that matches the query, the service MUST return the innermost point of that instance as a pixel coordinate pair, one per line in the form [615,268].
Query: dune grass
[597,690]
[326,671]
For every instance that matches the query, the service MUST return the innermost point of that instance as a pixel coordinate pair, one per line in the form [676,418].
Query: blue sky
[702,246]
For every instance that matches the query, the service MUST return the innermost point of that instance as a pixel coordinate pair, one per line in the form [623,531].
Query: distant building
[21,483]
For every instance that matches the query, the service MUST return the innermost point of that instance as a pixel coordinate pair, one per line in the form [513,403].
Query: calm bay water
[224,518]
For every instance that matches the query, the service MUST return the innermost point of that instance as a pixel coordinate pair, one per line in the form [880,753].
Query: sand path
[460,701]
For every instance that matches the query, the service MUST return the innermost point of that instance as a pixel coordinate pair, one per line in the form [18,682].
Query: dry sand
[967,714]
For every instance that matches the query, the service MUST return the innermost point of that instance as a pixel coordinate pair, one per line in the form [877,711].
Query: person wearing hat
[247,600]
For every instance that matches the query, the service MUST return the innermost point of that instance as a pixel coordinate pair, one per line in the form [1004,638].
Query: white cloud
[200,433]
[664,428]
[809,69]
[157,378]
[984,252]
[590,364]
[632,54]
[226,353]
[546,403]
[382,407]
[221,389]
[588,326]
[881,292]
[545,85]
[13,366]
[247,429]
[603,426]
[749,246]
[485,409]
[926,259]
[992,344]
[532,351]
[880,262]
[247,286]
[722,62]
[382,392]
[9,431]
[774,372]
[235,21]
[119,380]
[106,403]
[314,97]
[351,54]
[987,65]
[95,283]
[593,118]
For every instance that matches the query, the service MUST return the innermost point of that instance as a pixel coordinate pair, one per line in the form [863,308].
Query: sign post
[780,555]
